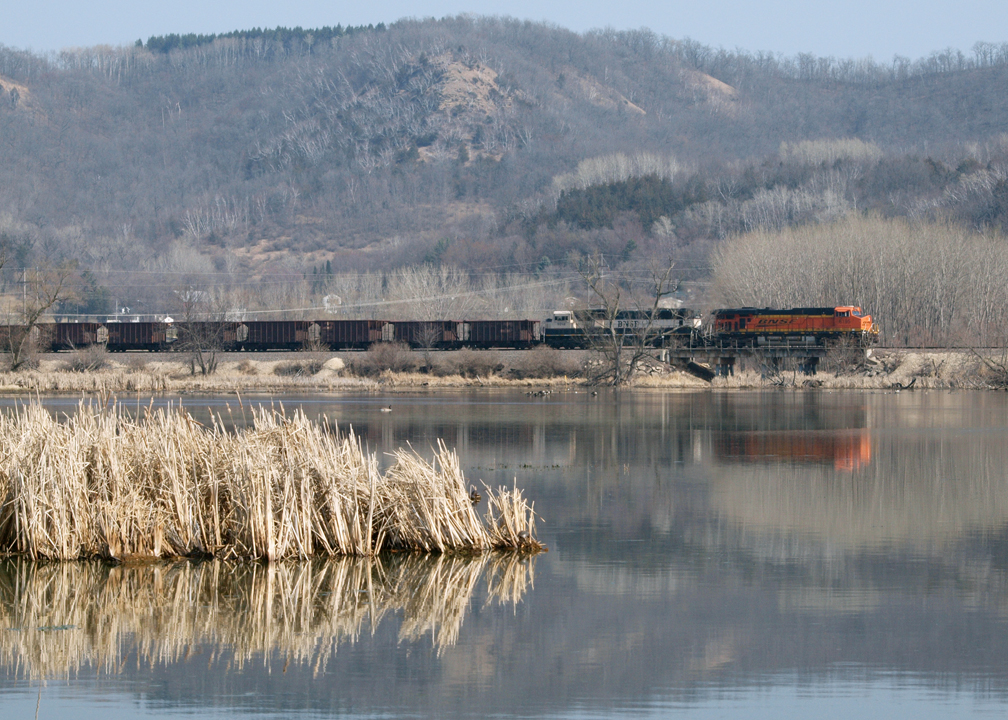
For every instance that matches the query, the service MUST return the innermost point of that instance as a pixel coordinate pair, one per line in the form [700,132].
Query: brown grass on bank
[540,367]
[103,484]
[64,617]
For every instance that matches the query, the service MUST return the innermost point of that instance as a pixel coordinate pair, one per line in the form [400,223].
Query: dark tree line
[296,39]
[648,198]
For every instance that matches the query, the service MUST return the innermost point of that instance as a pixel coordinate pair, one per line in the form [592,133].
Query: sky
[880,29]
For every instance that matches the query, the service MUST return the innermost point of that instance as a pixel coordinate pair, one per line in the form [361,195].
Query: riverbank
[886,369]
[292,373]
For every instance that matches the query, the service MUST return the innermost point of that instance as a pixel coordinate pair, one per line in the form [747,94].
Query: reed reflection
[60,618]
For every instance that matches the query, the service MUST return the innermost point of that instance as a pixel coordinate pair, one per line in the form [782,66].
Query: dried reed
[103,484]
[61,618]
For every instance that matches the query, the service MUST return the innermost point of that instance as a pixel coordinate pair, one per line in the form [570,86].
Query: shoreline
[889,369]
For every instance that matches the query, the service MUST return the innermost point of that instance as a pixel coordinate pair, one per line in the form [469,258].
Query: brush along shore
[882,369]
[386,370]
[103,484]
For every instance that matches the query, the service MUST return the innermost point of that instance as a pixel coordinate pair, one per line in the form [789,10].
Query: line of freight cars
[564,329]
[561,330]
[251,336]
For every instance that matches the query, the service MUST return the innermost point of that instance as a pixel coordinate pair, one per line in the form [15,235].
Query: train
[564,329]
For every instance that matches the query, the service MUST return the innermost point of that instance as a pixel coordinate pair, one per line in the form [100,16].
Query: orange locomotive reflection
[846,450]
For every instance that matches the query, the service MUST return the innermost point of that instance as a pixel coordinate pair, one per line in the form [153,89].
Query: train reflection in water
[846,449]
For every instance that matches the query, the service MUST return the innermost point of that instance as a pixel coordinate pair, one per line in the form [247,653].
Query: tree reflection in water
[63,617]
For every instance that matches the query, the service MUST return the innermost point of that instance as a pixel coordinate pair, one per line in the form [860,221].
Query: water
[767,554]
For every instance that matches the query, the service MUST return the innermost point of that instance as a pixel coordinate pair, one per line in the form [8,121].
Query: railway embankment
[169,373]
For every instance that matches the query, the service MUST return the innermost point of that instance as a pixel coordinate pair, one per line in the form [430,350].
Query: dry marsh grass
[65,617]
[102,484]
[298,368]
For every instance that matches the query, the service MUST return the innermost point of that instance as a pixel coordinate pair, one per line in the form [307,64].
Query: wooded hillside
[492,145]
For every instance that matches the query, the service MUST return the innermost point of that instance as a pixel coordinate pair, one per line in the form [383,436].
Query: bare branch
[622,328]
[44,287]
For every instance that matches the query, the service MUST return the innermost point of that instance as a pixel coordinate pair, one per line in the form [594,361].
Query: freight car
[115,336]
[812,325]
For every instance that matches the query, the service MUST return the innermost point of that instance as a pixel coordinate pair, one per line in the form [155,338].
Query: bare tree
[432,292]
[622,329]
[927,283]
[428,337]
[202,328]
[42,288]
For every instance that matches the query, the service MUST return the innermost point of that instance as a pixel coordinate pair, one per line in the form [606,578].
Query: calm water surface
[768,554]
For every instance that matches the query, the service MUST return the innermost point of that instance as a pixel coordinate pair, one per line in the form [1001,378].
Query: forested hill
[486,143]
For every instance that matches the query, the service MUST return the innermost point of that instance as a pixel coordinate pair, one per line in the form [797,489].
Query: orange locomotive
[768,324]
